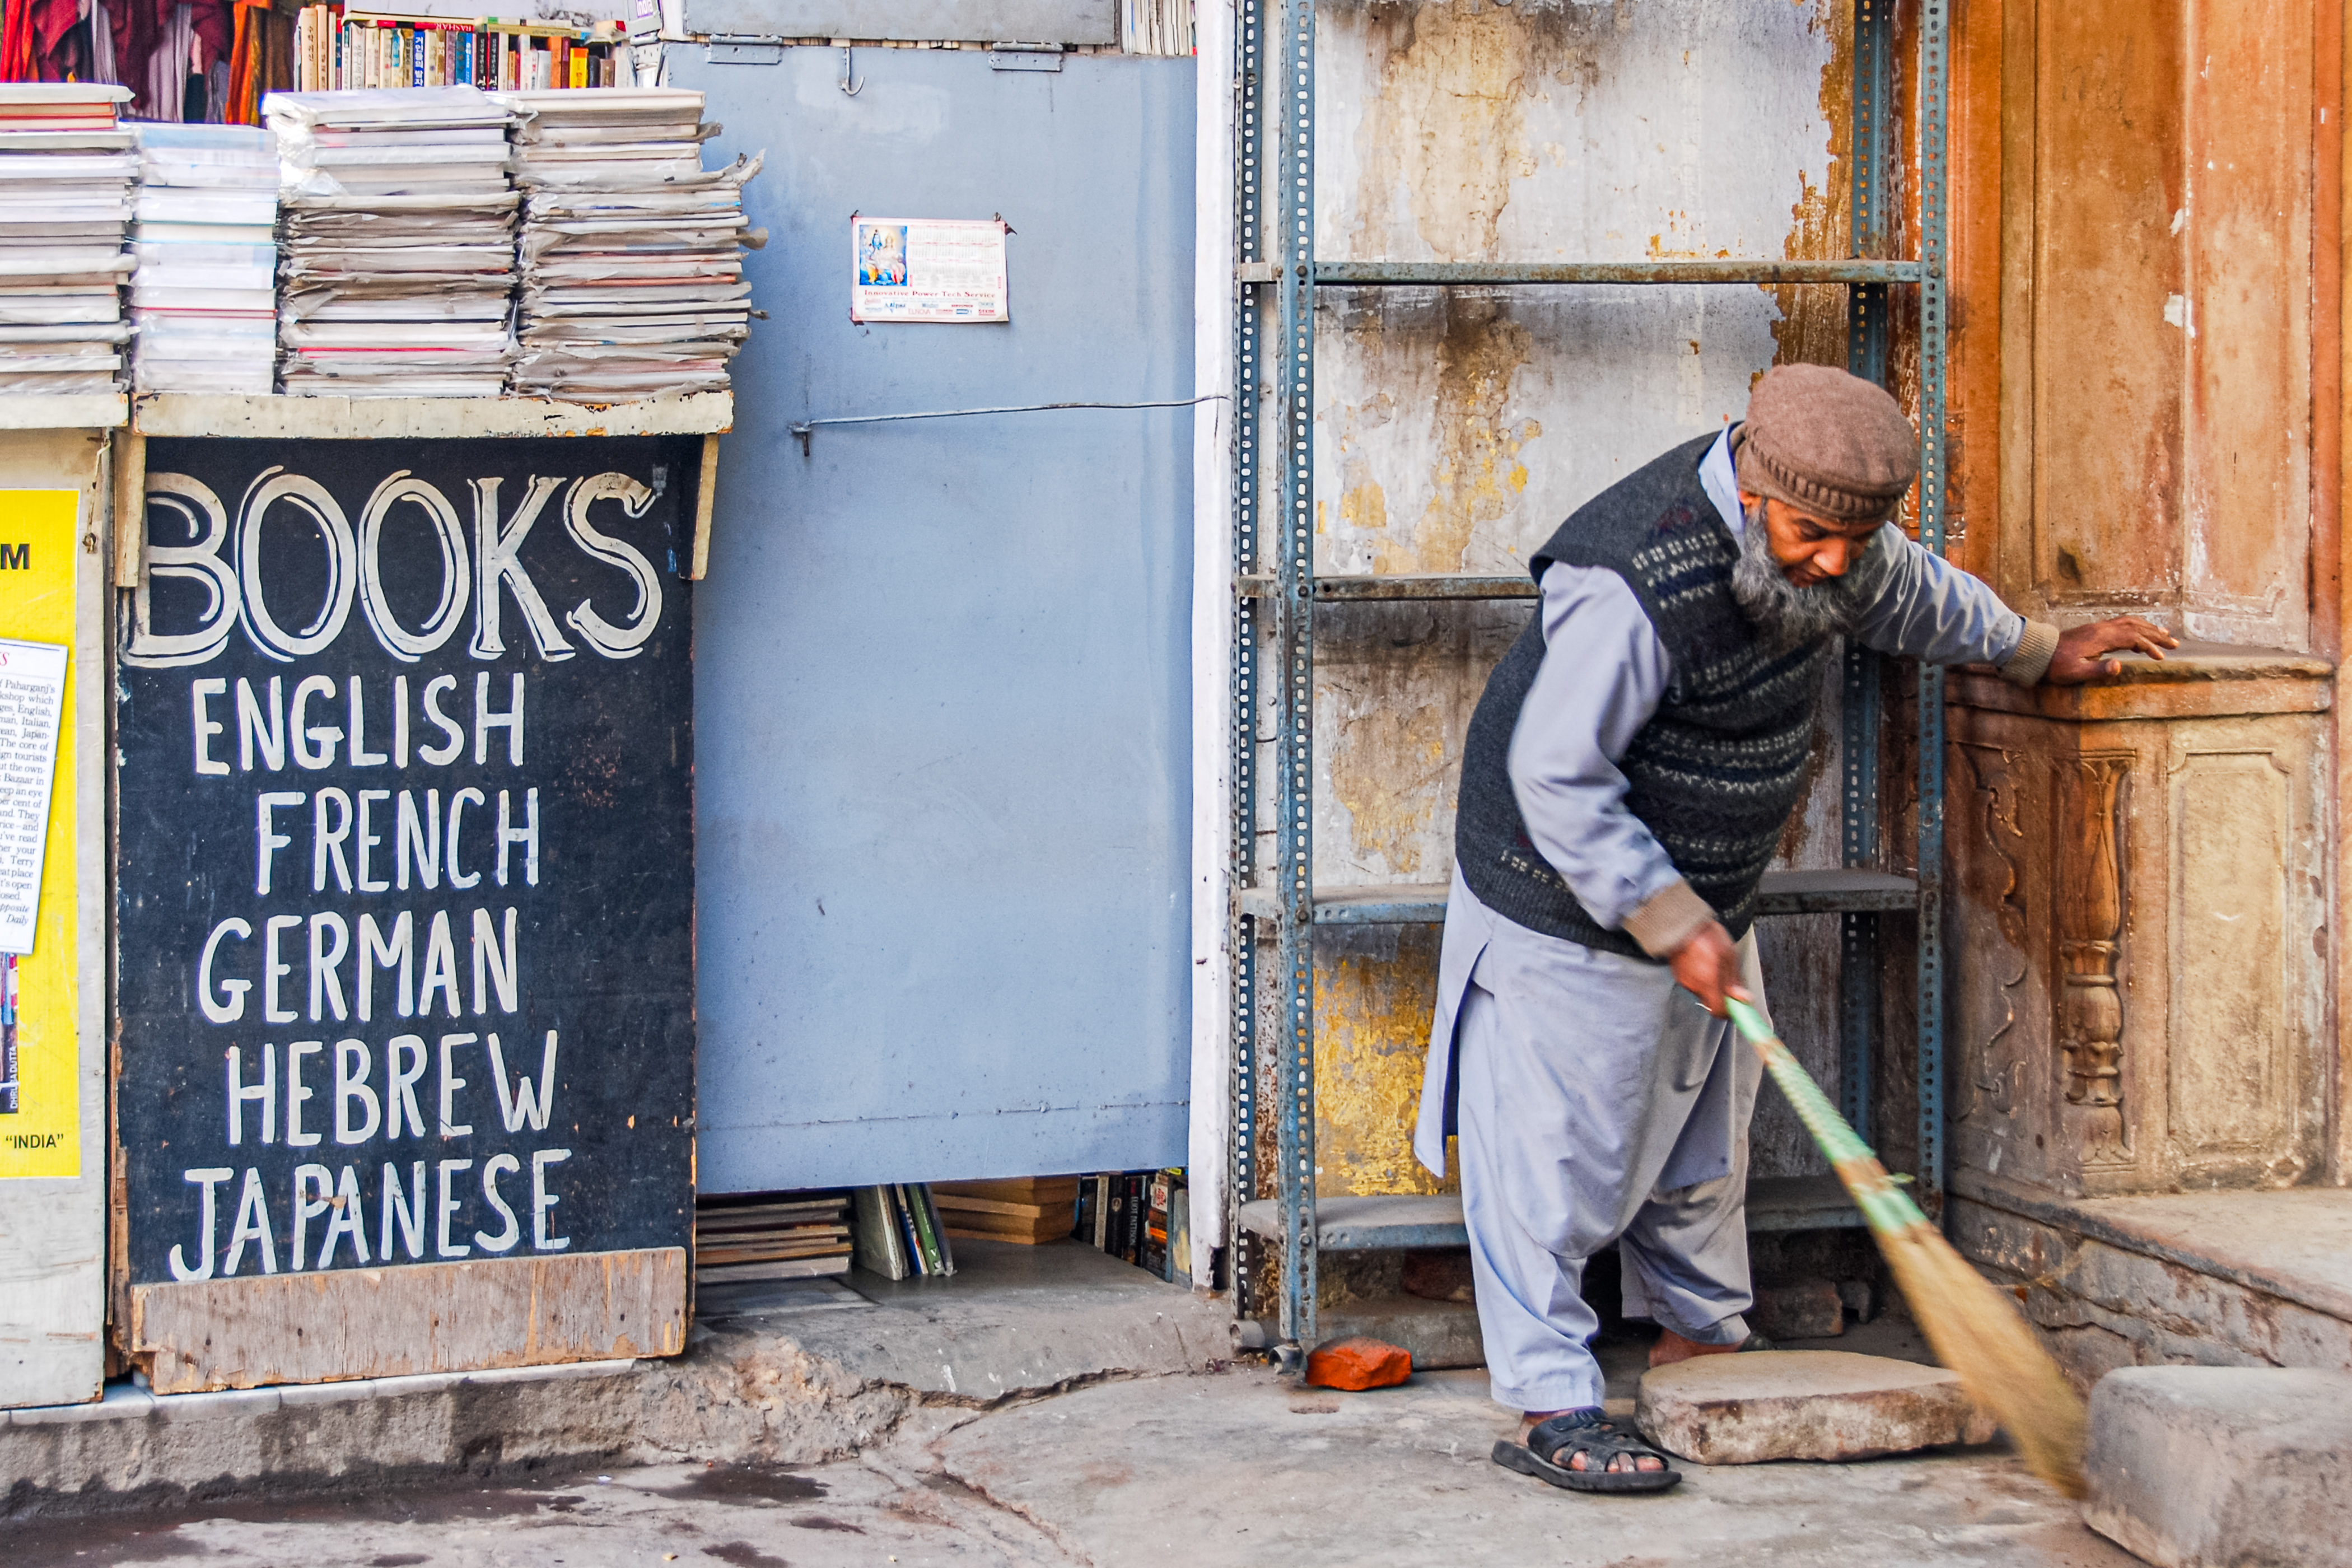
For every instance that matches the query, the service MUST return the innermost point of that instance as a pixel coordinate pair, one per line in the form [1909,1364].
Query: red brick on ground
[1358,1364]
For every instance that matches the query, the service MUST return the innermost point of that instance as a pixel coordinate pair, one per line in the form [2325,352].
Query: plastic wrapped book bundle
[631,253]
[397,256]
[203,300]
[67,169]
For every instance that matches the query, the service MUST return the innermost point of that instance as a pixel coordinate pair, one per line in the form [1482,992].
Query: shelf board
[1376,1224]
[1423,903]
[278,417]
[65,411]
[1358,588]
[1443,274]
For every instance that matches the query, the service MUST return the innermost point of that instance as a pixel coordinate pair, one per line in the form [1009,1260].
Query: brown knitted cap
[1829,443]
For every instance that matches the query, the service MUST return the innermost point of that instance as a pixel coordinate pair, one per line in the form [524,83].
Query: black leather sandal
[1601,1440]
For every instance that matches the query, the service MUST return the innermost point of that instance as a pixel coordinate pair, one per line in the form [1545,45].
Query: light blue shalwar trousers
[1598,1102]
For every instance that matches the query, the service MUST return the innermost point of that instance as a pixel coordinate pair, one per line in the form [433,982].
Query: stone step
[1760,1406]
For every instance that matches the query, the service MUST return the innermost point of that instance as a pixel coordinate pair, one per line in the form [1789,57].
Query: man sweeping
[1625,783]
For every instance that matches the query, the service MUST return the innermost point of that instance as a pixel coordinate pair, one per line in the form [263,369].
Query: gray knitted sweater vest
[1720,766]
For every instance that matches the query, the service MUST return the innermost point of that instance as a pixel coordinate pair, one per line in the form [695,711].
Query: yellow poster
[40,1058]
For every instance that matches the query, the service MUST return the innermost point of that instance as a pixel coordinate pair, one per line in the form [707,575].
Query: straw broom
[1974,1330]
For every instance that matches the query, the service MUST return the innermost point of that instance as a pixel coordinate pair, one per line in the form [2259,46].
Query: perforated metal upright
[1275,279]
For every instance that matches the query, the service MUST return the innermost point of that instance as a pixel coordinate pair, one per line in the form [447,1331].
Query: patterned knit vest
[1720,766]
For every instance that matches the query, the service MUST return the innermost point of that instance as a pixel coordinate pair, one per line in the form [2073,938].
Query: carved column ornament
[2090,929]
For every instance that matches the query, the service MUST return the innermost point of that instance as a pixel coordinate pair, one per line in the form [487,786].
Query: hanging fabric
[167,65]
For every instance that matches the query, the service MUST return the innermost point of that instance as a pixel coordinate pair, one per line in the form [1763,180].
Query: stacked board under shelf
[789,1237]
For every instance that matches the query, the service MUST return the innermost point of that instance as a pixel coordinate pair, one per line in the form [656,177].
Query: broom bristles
[1977,1332]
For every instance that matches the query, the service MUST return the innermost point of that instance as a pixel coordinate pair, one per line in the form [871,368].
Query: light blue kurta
[1597,1101]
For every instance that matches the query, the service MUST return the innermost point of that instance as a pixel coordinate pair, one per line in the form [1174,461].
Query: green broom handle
[1887,1206]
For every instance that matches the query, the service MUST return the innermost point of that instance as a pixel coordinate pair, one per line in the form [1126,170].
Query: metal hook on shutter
[849,89]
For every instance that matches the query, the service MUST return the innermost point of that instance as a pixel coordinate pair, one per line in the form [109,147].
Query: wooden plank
[82,411]
[958,1203]
[420,1317]
[382,418]
[705,492]
[1013,1190]
[130,508]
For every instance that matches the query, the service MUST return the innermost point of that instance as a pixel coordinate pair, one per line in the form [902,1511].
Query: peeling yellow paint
[1366,506]
[1453,129]
[1387,769]
[1373,998]
[1477,471]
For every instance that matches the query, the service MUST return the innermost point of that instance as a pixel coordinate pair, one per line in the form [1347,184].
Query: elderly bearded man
[1626,780]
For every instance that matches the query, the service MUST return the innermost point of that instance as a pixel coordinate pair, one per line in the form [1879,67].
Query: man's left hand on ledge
[2080,651]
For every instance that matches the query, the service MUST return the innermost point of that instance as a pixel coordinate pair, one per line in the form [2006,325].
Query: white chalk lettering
[272,970]
[451,1083]
[524,1106]
[309,498]
[541,1201]
[264,1093]
[486,721]
[252,1224]
[416,840]
[326,982]
[527,835]
[440,966]
[411,1209]
[207,1216]
[456,806]
[490,963]
[261,731]
[612,641]
[198,562]
[457,573]
[403,1064]
[442,755]
[492,1168]
[314,744]
[354,1062]
[360,756]
[268,839]
[378,952]
[313,1185]
[345,1220]
[206,725]
[327,842]
[366,839]
[446,1208]
[497,558]
[296,1093]
[230,1011]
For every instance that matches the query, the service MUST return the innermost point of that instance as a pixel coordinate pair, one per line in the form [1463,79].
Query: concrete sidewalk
[803,1372]
[1235,1469]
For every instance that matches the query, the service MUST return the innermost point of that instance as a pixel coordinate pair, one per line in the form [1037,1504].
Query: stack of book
[899,1234]
[398,251]
[1142,1217]
[793,1237]
[337,48]
[1031,1210]
[632,252]
[66,175]
[204,304]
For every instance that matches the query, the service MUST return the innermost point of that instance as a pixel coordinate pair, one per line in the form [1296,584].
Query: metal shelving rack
[1277,591]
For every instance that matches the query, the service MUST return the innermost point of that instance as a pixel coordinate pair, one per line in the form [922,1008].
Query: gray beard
[1787,617]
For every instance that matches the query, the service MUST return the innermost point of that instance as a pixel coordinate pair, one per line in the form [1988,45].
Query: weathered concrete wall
[1454,429]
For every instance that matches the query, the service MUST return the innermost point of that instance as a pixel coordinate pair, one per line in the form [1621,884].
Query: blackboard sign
[404,855]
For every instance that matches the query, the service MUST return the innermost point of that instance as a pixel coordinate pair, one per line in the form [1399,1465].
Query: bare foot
[1672,1347]
[1618,1466]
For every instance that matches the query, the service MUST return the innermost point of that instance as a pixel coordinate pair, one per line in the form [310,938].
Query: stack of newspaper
[398,252]
[66,173]
[632,252]
[203,305]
